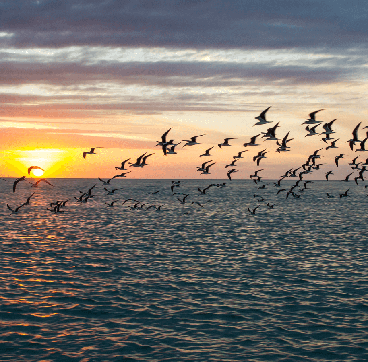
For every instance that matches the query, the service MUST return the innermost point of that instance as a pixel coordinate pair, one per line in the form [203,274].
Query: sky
[118,74]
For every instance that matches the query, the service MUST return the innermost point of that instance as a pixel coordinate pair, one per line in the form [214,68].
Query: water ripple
[99,283]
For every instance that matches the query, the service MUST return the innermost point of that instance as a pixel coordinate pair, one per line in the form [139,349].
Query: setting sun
[37,172]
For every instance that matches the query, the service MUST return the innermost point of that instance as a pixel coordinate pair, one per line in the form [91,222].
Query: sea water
[188,282]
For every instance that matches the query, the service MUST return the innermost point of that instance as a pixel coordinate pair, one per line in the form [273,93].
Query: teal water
[184,283]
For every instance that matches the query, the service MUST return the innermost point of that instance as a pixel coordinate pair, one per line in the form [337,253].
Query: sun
[37,172]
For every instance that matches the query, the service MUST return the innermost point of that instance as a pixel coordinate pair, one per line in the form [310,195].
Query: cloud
[252,24]
[183,74]
[22,138]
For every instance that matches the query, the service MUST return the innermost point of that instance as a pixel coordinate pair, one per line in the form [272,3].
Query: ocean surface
[188,282]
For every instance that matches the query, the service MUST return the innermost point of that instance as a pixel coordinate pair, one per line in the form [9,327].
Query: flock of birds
[282,145]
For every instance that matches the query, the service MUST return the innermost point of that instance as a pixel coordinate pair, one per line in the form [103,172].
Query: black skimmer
[256,179]
[110,192]
[183,200]
[253,212]
[203,191]
[207,152]
[112,203]
[327,138]
[362,145]
[56,209]
[192,141]
[91,152]
[138,162]
[293,173]
[14,211]
[356,167]
[312,130]
[258,158]
[337,159]
[355,137]
[29,199]
[163,141]
[121,175]
[203,166]
[226,142]
[16,182]
[41,180]
[271,133]
[327,128]
[206,169]
[278,183]
[328,174]
[122,167]
[283,146]
[143,162]
[239,155]
[196,202]
[256,173]
[333,144]
[353,162]
[230,172]
[262,118]
[232,164]
[174,184]
[346,179]
[171,150]
[312,118]
[345,194]
[107,182]
[252,141]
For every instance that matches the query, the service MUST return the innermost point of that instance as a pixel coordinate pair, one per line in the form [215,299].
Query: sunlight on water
[101,283]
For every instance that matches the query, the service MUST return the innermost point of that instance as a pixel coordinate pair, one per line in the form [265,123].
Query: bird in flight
[207,152]
[230,172]
[107,182]
[226,142]
[312,118]
[355,137]
[34,168]
[337,159]
[42,180]
[121,175]
[16,182]
[163,141]
[253,212]
[122,167]
[28,199]
[14,211]
[252,141]
[262,118]
[91,152]
[192,141]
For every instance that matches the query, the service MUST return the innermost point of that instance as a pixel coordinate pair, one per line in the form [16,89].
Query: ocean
[201,279]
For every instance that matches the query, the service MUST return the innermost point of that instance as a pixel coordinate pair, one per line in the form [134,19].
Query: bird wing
[15,184]
[263,114]
[163,137]
[312,115]
[355,131]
